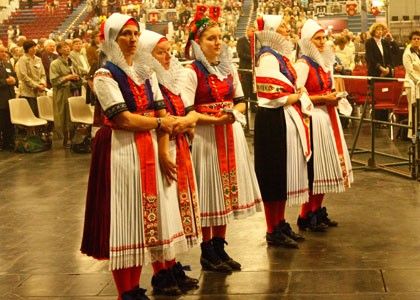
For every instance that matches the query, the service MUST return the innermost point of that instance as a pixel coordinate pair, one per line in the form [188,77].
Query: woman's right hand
[225,118]
[331,98]
[168,167]
[72,77]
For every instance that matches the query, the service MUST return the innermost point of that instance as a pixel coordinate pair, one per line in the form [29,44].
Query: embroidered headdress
[199,24]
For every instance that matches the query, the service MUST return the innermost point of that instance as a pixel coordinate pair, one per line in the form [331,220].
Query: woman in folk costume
[129,217]
[329,169]
[281,139]
[174,153]
[226,179]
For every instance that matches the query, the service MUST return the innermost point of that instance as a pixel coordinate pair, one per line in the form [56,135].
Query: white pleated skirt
[297,171]
[332,173]
[127,224]
[213,209]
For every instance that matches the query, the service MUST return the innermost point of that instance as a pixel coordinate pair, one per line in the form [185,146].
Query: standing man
[8,80]
[243,47]
[79,58]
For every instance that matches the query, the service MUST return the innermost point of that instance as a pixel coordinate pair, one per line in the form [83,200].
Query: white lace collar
[225,60]
[138,72]
[171,78]
[325,59]
[275,41]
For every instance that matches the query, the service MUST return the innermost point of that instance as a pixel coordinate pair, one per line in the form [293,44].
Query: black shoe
[164,283]
[322,216]
[311,223]
[210,261]
[277,238]
[135,294]
[184,282]
[285,228]
[219,247]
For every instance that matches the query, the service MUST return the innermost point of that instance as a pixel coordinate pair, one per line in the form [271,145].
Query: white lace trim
[276,42]
[225,61]
[138,72]
[325,59]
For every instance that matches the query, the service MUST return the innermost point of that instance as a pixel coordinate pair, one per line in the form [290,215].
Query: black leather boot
[135,294]
[278,238]
[311,223]
[322,216]
[164,283]
[184,282]
[219,247]
[285,228]
[210,261]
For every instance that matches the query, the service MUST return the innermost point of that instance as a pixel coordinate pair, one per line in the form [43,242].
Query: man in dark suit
[8,80]
[243,47]
[379,51]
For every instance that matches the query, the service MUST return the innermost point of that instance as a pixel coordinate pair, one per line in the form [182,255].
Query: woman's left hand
[168,168]
[182,125]
[191,133]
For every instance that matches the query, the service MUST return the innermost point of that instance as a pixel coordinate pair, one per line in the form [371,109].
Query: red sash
[146,155]
[189,215]
[226,153]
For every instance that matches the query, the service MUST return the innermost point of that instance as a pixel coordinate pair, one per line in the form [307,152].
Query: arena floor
[373,254]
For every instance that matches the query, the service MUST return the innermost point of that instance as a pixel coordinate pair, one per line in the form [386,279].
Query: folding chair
[81,114]
[28,127]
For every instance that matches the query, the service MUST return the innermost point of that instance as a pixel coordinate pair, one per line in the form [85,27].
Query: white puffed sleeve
[108,93]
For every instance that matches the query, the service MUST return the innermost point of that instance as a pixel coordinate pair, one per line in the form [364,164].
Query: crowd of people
[170,162]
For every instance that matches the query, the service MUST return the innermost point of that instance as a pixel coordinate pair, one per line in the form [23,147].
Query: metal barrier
[413,159]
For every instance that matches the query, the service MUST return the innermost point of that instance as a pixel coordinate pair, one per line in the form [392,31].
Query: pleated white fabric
[328,173]
[206,163]
[297,181]
[127,247]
